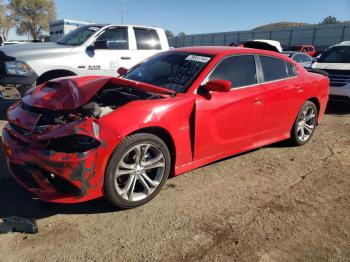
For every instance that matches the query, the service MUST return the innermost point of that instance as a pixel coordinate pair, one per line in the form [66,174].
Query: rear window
[147,39]
[275,69]
[336,54]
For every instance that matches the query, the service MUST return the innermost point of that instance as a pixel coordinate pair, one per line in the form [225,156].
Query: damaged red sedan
[79,138]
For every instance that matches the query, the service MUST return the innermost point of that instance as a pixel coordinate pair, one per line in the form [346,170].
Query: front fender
[175,115]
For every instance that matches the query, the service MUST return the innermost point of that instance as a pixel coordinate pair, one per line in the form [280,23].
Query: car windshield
[336,54]
[78,36]
[172,70]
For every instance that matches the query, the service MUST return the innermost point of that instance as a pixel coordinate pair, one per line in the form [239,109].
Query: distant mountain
[285,25]
[280,25]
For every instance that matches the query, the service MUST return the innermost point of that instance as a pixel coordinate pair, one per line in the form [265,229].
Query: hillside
[280,25]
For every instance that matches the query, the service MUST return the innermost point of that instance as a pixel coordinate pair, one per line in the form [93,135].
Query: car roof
[226,50]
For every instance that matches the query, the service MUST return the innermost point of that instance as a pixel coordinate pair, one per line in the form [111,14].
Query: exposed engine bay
[112,96]
[105,101]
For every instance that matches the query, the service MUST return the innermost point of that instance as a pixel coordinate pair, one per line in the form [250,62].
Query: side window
[273,68]
[116,38]
[147,39]
[291,70]
[240,70]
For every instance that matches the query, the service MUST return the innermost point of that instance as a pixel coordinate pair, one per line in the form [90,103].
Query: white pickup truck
[95,49]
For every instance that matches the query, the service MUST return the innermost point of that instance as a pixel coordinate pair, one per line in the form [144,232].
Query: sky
[202,16]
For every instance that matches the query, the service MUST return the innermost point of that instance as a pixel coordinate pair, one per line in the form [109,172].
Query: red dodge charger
[79,138]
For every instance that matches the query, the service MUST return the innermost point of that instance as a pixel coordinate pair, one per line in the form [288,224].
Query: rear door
[146,42]
[230,121]
[111,51]
[282,97]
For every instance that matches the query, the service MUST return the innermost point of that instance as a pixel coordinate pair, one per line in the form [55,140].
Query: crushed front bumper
[52,176]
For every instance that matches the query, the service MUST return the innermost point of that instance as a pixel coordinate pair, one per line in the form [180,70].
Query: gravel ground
[276,203]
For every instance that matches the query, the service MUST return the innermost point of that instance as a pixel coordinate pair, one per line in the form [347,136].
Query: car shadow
[338,108]
[17,201]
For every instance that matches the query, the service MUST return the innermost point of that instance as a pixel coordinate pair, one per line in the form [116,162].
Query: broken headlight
[73,144]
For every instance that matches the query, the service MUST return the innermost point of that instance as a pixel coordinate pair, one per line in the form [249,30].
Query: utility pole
[122,10]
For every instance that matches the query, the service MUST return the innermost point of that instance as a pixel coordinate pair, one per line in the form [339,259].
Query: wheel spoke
[130,192]
[309,117]
[121,172]
[124,165]
[151,182]
[304,114]
[308,128]
[127,187]
[302,134]
[154,162]
[144,150]
[145,186]
[138,153]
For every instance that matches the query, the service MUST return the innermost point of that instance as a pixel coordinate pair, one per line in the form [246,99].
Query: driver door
[111,51]
[228,122]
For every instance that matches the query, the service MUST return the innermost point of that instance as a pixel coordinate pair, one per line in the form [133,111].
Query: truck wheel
[137,170]
[305,124]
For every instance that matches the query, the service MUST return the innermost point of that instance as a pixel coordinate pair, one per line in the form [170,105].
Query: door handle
[258,100]
[125,57]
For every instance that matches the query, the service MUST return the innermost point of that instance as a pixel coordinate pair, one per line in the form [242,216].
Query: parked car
[308,49]
[263,44]
[302,58]
[78,138]
[336,62]
[95,49]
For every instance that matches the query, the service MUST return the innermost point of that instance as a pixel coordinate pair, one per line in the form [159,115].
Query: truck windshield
[336,54]
[78,36]
[172,70]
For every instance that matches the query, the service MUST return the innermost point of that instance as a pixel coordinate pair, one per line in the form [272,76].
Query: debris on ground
[18,224]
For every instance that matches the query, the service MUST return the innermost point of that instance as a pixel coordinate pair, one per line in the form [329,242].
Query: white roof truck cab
[336,61]
[95,49]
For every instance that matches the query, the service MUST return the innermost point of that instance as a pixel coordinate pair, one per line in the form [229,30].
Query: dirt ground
[276,203]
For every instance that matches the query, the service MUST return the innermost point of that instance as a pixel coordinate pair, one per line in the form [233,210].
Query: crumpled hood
[32,49]
[69,93]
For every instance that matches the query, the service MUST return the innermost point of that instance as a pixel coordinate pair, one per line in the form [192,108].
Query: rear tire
[304,125]
[137,170]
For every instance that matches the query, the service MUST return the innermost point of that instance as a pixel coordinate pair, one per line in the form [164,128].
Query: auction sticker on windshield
[198,58]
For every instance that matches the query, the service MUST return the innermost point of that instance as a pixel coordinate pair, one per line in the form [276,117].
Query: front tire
[137,170]
[305,124]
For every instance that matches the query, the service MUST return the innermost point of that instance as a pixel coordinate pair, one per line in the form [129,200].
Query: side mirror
[218,85]
[122,71]
[101,44]
[90,48]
